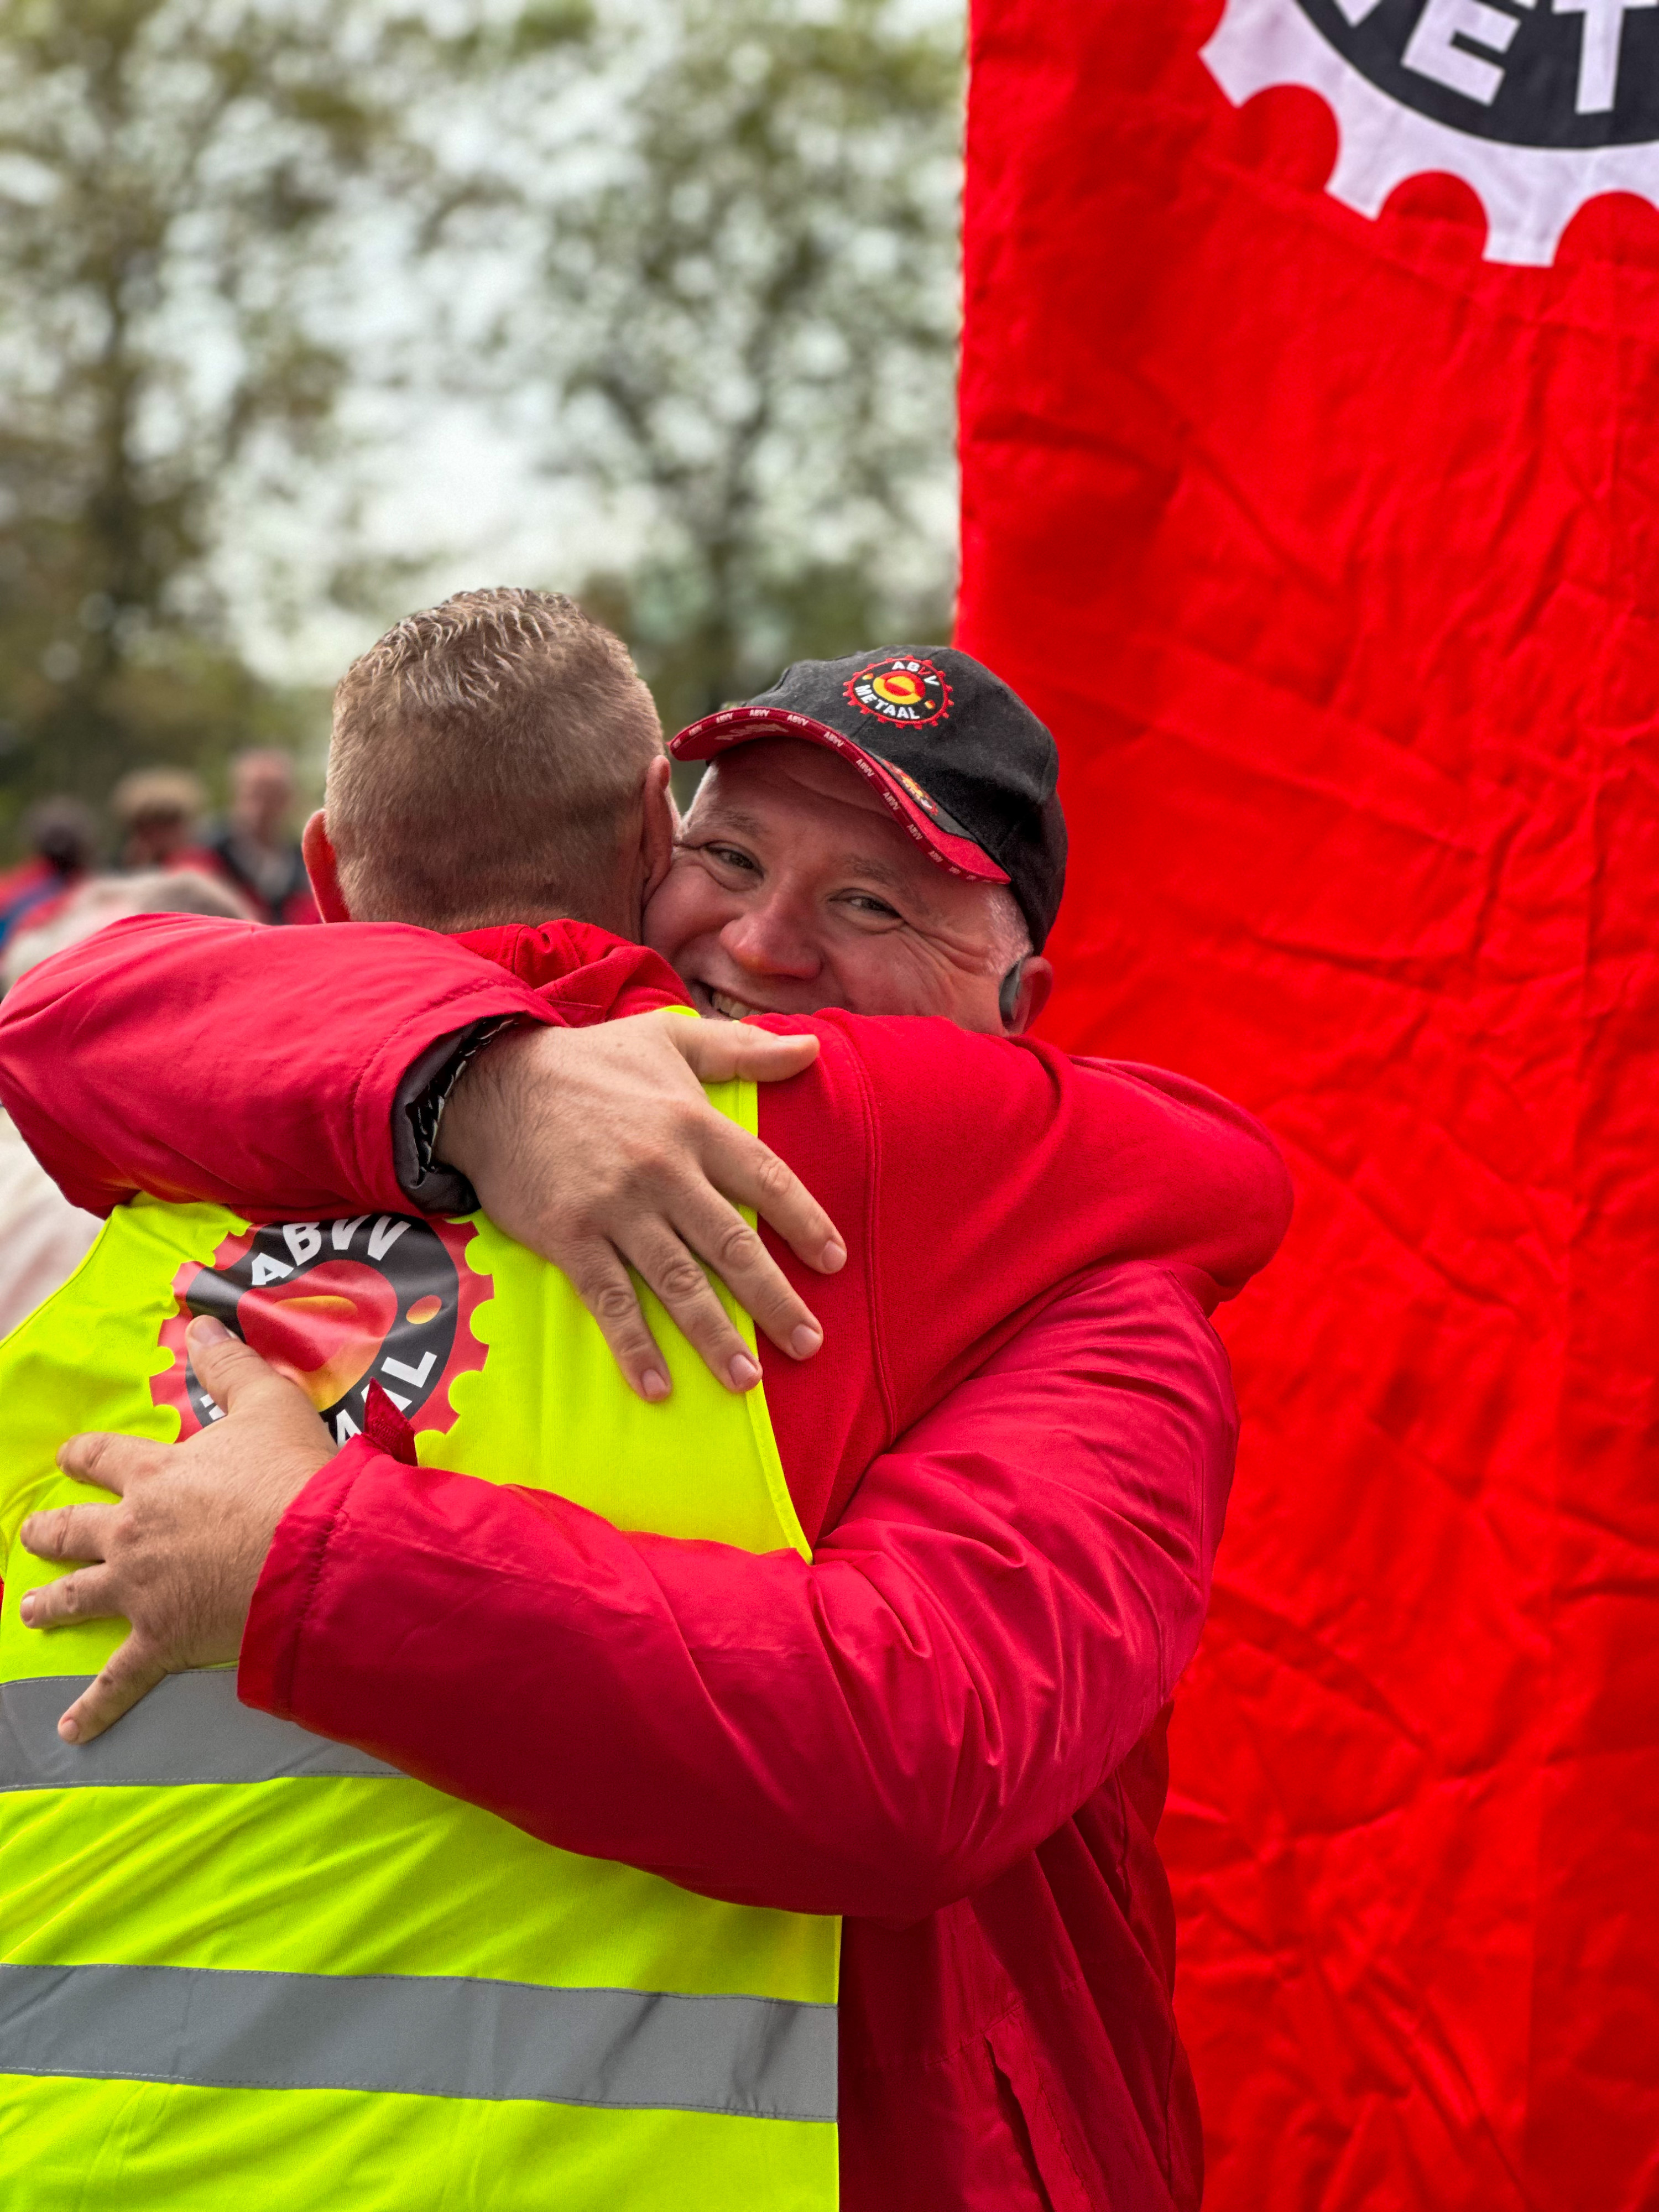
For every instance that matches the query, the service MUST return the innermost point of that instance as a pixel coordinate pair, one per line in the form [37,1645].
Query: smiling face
[793,889]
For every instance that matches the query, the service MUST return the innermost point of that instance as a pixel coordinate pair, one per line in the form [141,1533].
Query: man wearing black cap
[944,1727]
[957,762]
[958,759]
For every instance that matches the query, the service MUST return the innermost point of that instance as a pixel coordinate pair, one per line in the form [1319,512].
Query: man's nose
[773,939]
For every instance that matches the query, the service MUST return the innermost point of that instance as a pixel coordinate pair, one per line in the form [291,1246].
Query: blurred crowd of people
[169,859]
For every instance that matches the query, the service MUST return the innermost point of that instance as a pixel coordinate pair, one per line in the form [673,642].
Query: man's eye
[729,856]
[867,902]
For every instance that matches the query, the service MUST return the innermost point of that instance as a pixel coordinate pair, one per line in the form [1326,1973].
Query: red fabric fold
[388,1429]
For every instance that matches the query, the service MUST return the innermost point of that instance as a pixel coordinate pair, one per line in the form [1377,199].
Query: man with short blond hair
[497,706]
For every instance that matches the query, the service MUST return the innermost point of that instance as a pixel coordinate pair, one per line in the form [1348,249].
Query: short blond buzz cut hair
[486,764]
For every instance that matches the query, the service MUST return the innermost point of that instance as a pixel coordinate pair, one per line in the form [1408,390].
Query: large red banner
[1310,439]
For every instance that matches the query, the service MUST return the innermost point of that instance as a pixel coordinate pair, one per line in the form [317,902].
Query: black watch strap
[417,1113]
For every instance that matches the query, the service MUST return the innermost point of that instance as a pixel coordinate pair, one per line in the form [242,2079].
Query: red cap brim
[740,725]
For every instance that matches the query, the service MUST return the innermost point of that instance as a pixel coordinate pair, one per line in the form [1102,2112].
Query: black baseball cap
[962,762]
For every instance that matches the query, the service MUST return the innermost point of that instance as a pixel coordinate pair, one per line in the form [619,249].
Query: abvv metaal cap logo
[1537,105]
[902,688]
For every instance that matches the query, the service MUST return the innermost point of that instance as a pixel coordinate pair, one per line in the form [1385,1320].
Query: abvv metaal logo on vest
[1539,105]
[336,1306]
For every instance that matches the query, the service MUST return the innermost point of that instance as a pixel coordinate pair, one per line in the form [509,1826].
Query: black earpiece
[1008,996]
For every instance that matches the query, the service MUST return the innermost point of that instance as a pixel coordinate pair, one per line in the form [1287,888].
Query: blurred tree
[753,315]
[181,183]
[714,240]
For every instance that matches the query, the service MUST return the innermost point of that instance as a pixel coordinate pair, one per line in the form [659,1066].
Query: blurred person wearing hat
[60,837]
[157,810]
[947,1726]
[255,847]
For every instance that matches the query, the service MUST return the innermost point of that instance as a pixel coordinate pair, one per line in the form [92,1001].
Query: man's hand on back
[180,1557]
[598,1149]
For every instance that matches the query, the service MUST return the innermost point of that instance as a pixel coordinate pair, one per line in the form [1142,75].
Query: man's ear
[1025,991]
[658,825]
[324,869]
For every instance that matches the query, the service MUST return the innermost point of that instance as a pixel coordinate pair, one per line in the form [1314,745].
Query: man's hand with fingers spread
[179,1558]
[598,1149]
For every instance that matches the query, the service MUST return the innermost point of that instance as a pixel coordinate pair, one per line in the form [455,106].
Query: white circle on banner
[1537,105]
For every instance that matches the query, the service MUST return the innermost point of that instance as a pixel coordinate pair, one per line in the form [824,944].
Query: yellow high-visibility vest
[241,1967]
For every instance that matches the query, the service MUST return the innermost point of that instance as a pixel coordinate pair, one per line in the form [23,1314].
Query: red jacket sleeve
[995,1622]
[195,1058]
[969,1174]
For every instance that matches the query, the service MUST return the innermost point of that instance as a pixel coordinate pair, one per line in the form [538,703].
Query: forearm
[971,1652]
[204,1059]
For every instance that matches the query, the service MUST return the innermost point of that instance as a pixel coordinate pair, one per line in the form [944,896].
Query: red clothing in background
[935,1723]
[32,893]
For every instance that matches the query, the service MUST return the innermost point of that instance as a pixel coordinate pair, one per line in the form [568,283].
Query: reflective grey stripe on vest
[410,2035]
[190,1728]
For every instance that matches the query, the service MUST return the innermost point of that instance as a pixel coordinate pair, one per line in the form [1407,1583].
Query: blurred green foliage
[751,325]
[730,225]
[172,175]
